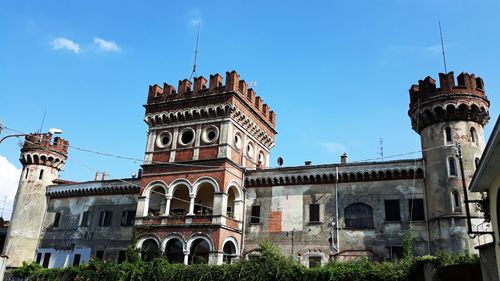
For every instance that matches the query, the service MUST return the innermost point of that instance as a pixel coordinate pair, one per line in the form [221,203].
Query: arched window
[473,135]
[174,251]
[455,201]
[149,250]
[179,205]
[157,201]
[358,215]
[199,251]
[229,252]
[452,166]
[447,135]
[204,200]
[476,162]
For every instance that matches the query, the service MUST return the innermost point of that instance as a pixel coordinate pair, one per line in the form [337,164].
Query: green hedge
[269,266]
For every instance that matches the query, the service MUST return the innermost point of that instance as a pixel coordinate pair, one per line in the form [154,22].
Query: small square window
[255,215]
[314,213]
[76,260]
[392,211]
[105,218]
[314,262]
[128,218]
[416,209]
[395,252]
[85,219]
[99,254]
[46,260]
[57,219]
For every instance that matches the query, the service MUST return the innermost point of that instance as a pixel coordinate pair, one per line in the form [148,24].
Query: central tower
[201,138]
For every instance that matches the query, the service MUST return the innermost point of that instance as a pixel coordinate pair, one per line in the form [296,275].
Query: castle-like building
[206,194]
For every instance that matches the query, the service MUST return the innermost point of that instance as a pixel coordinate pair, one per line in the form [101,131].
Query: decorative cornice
[343,177]
[217,110]
[37,158]
[89,191]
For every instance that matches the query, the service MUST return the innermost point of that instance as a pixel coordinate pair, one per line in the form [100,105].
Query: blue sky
[337,73]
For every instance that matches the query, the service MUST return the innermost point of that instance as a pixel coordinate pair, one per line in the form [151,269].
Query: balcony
[189,221]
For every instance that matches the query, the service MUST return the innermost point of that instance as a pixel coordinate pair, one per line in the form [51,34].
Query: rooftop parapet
[45,143]
[463,99]
[466,84]
[233,84]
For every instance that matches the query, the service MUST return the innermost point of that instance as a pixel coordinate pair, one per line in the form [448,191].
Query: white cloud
[195,18]
[9,179]
[63,43]
[106,45]
[334,147]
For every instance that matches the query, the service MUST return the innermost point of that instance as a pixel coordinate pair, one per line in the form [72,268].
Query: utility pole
[458,153]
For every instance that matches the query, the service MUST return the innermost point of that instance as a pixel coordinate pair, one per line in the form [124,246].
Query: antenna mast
[195,53]
[43,120]
[442,47]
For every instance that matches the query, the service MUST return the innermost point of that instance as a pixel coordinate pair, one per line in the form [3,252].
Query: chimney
[343,158]
[96,176]
[104,176]
[139,173]
[307,163]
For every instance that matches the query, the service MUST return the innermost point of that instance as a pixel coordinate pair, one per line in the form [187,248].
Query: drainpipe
[243,212]
[337,208]
[426,214]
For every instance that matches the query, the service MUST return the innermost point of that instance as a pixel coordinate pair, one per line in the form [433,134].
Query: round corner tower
[42,158]
[443,117]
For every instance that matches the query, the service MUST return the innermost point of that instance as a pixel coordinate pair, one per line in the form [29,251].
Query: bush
[269,265]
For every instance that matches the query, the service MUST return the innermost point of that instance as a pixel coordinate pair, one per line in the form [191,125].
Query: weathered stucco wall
[284,212]
[72,236]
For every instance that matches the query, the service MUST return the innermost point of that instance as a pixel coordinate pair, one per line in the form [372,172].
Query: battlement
[466,84]
[233,84]
[463,99]
[46,143]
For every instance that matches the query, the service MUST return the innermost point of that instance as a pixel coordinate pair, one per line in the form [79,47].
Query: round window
[164,139]
[186,136]
[250,150]
[237,141]
[210,134]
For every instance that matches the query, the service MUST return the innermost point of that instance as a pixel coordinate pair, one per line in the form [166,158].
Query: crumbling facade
[207,194]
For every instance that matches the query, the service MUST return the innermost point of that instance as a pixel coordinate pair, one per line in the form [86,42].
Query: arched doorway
[157,201]
[229,252]
[174,251]
[199,252]
[204,200]
[149,250]
[179,204]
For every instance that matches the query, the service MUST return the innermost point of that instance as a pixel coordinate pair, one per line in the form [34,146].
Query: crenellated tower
[202,136]
[42,158]
[454,112]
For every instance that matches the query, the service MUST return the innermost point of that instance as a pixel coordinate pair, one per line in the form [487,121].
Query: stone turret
[42,157]
[454,112]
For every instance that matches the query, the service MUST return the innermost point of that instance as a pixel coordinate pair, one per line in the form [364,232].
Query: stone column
[191,205]
[167,205]
[186,257]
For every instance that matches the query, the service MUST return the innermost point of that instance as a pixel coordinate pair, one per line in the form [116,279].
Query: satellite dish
[280,161]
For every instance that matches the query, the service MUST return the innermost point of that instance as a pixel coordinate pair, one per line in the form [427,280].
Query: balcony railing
[189,220]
